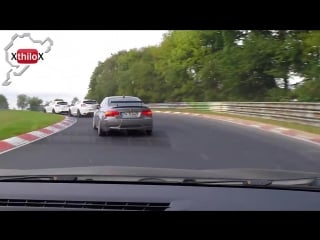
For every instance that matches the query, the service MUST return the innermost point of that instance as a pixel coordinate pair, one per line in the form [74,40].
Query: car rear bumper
[127,124]
[62,111]
[87,111]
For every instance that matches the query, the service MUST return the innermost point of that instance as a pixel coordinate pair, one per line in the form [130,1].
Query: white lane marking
[38,133]
[59,124]
[53,129]
[282,129]
[63,124]
[299,138]
[16,141]
[256,126]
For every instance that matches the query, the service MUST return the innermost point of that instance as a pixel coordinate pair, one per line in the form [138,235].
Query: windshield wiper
[192,181]
[33,178]
[251,182]
[303,183]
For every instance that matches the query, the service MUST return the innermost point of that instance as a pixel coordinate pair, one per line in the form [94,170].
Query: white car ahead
[85,107]
[57,107]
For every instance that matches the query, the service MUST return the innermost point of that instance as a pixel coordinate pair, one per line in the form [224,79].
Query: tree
[309,88]
[215,65]
[35,103]
[309,91]
[74,100]
[22,101]
[3,102]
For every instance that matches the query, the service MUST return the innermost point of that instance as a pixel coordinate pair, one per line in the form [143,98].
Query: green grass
[291,125]
[14,122]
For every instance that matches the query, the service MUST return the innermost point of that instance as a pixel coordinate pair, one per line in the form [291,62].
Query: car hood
[230,173]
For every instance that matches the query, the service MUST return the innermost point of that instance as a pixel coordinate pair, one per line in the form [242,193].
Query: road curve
[179,141]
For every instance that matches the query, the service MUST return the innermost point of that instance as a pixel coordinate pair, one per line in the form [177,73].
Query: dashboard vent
[94,205]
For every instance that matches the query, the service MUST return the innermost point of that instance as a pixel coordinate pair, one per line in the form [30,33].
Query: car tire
[94,125]
[149,132]
[69,113]
[100,131]
[44,110]
[78,114]
[53,111]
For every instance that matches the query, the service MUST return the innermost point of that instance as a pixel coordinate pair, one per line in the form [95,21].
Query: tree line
[3,102]
[25,102]
[215,65]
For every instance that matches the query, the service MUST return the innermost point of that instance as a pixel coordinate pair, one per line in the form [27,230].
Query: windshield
[225,104]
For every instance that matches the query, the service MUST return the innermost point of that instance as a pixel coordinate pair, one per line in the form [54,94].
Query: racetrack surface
[178,141]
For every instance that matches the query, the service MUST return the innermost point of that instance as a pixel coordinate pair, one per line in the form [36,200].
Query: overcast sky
[66,70]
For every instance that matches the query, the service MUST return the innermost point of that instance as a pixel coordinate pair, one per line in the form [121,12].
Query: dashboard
[48,196]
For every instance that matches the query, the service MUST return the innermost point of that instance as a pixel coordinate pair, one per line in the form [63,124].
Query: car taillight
[146,113]
[111,113]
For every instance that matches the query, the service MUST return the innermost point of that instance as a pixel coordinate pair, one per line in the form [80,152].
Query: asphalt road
[179,141]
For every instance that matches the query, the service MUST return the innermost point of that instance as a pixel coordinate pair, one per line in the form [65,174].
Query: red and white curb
[26,138]
[300,135]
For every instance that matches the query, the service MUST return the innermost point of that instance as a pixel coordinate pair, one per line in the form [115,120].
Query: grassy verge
[297,126]
[14,122]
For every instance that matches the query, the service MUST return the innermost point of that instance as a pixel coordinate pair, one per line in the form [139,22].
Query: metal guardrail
[300,112]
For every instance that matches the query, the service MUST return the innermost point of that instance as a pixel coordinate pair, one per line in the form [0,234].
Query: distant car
[85,107]
[122,113]
[57,107]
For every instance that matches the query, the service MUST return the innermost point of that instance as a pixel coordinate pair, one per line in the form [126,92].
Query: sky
[66,69]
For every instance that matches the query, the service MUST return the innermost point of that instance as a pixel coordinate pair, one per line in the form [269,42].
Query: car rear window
[90,102]
[62,103]
[125,102]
